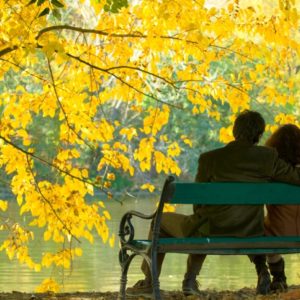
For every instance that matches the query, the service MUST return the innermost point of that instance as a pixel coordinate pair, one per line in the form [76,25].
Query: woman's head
[286,139]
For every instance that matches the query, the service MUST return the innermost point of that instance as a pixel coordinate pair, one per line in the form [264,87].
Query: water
[98,269]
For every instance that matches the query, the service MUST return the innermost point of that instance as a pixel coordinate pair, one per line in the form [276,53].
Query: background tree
[91,93]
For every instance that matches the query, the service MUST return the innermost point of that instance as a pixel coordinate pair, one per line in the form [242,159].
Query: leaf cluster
[47,6]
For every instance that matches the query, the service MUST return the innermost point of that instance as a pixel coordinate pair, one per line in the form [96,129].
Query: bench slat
[220,245]
[232,251]
[222,240]
[231,193]
[193,244]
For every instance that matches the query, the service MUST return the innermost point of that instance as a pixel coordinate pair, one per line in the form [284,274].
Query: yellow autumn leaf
[20,199]
[112,240]
[48,285]
[3,205]
[85,173]
[47,235]
[148,186]
[226,135]
[111,176]
[37,268]
[101,204]
[169,207]
[78,251]
[129,132]
[106,214]
[174,150]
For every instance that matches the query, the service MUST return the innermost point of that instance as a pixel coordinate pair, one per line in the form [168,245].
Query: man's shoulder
[212,152]
[259,150]
[264,149]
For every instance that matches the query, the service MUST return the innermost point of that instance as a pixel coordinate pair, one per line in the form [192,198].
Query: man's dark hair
[249,125]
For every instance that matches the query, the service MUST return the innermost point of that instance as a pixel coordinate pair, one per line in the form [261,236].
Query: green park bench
[216,193]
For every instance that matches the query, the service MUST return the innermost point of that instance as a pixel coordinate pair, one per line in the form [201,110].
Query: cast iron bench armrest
[126,229]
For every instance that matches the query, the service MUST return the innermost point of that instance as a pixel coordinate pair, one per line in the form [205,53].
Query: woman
[283,220]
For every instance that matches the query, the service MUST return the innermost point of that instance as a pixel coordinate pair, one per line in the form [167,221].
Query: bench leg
[125,261]
[155,281]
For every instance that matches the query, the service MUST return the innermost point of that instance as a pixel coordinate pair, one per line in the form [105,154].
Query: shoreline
[243,294]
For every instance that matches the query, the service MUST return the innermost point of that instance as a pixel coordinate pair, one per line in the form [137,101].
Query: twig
[122,80]
[48,202]
[62,108]
[50,164]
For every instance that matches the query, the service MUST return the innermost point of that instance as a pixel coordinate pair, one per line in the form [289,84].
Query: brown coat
[238,161]
[283,220]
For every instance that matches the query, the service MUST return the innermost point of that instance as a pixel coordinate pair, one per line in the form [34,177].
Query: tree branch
[7,50]
[48,202]
[122,80]
[51,164]
[87,30]
[143,71]
[25,70]
[130,35]
[62,108]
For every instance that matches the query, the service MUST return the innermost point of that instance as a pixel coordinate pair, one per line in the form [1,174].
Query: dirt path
[243,294]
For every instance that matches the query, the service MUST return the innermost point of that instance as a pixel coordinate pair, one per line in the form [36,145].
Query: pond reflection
[98,269]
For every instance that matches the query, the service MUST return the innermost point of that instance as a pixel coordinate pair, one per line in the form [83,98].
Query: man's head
[249,126]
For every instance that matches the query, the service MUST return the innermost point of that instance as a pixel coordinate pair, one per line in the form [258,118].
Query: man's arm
[284,172]
[201,176]
[202,173]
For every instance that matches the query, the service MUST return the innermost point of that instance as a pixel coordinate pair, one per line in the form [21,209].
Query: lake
[98,269]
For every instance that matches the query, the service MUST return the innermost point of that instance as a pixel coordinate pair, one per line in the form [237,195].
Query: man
[240,161]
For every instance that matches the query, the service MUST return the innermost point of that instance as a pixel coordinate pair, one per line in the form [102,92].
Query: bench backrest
[235,193]
[226,193]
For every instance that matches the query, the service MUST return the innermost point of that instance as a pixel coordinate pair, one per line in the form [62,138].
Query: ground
[243,294]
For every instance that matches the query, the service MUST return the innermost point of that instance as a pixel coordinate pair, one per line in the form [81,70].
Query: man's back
[239,161]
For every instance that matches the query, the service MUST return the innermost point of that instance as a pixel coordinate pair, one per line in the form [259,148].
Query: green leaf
[44,12]
[31,2]
[40,2]
[115,5]
[57,3]
[56,13]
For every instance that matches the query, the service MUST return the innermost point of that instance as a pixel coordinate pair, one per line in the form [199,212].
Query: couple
[240,161]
